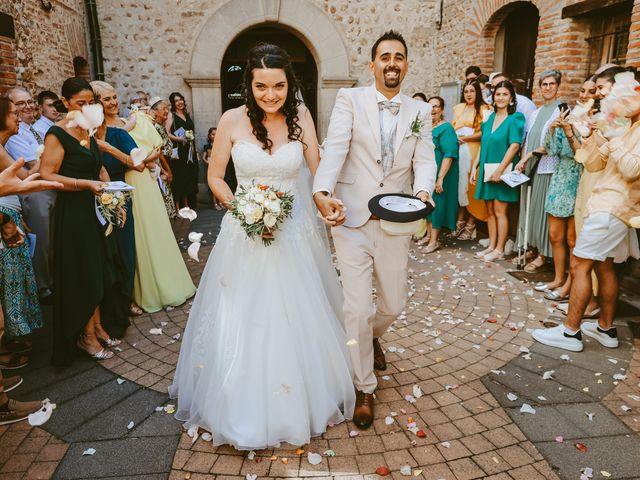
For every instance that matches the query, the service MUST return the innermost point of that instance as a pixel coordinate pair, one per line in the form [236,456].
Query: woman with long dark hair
[467,120]
[184,165]
[88,277]
[264,357]
[502,135]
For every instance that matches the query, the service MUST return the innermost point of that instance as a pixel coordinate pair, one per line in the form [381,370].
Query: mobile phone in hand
[563,107]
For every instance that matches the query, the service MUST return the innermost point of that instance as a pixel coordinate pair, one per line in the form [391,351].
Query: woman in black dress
[185,166]
[88,275]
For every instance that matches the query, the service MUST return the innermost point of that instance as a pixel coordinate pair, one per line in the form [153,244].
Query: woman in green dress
[445,196]
[502,135]
[89,278]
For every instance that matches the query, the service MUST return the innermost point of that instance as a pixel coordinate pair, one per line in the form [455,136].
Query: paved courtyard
[466,396]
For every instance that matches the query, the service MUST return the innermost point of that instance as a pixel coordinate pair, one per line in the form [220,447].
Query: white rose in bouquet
[252,213]
[273,206]
[270,220]
[259,198]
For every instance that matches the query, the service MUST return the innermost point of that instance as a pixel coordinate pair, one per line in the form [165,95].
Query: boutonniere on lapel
[415,129]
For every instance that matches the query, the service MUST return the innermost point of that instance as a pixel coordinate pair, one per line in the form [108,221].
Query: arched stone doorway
[311,26]
[235,57]
[515,47]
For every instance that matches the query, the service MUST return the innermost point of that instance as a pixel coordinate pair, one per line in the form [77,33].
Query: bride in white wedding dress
[264,356]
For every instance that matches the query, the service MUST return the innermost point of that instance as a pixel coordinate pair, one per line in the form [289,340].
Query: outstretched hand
[332,210]
[11,184]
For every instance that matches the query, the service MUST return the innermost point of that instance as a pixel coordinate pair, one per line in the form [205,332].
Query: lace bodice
[279,169]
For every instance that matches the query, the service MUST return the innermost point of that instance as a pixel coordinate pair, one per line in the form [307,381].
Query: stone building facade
[180,45]
[42,43]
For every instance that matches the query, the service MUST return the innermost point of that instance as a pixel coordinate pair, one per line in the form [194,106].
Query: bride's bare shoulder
[233,115]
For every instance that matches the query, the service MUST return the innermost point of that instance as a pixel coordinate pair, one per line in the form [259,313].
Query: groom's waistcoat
[351,164]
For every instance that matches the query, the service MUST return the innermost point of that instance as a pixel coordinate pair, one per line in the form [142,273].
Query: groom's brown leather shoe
[379,362]
[363,413]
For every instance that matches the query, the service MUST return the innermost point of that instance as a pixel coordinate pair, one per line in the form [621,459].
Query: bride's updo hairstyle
[265,55]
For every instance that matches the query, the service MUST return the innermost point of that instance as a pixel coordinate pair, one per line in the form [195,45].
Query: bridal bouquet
[261,210]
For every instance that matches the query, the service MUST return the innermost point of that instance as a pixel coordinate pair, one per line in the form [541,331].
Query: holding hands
[332,209]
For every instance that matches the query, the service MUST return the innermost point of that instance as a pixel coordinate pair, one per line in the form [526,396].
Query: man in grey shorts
[606,238]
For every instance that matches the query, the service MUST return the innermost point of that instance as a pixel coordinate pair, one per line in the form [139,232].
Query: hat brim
[419,209]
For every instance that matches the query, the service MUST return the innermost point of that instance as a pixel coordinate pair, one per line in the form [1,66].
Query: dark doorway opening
[235,59]
[520,38]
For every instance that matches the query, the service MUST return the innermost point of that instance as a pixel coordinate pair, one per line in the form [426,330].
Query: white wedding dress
[264,357]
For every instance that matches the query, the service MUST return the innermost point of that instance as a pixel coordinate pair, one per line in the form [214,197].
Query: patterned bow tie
[393,107]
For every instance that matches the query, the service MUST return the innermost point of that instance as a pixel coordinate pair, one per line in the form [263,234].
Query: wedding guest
[561,141]
[467,120]
[502,135]
[37,207]
[472,72]
[606,237]
[162,279]
[525,105]
[185,167]
[88,280]
[445,196]
[48,113]
[540,172]
[12,411]
[159,112]
[116,144]
[206,155]
[18,290]
[485,87]
[420,96]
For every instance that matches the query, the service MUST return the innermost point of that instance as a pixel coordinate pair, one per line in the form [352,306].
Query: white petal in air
[195,237]
[187,213]
[193,250]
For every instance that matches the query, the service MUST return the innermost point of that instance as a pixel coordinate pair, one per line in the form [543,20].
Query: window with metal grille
[609,47]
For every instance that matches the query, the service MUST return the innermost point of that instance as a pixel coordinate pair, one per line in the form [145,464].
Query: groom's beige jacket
[351,165]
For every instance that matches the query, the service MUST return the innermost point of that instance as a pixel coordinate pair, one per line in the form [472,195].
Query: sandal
[555,296]
[534,266]
[16,346]
[103,354]
[424,240]
[468,232]
[135,310]
[432,248]
[13,362]
[528,256]
[460,224]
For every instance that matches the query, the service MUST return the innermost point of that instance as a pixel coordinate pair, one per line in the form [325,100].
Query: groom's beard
[391,82]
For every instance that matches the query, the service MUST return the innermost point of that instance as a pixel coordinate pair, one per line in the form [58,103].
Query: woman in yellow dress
[161,278]
[467,119]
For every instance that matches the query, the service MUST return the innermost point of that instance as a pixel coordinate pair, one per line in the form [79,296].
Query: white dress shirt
[388,126]
[525,106]
[23,144]
[42,126]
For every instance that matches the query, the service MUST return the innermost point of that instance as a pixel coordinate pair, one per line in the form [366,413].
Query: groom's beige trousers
[365,253]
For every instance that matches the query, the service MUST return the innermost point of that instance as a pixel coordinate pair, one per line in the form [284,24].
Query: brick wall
[8,64]
[45,43]
[633,52]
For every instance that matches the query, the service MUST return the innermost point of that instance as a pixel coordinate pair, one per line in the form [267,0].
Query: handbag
[490,168]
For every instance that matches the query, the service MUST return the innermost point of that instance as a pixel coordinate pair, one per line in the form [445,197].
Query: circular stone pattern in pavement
[463,319]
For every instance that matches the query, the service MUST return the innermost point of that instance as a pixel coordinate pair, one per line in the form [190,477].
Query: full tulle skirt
[264,358]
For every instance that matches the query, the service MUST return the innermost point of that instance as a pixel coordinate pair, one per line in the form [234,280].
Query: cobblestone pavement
[445,406]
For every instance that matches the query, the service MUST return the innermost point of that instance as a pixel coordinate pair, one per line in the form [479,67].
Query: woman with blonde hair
[161,279]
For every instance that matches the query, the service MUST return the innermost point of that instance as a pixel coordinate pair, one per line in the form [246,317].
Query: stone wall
[45,43]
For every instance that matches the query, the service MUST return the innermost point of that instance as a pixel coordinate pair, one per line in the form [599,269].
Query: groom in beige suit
[379,141]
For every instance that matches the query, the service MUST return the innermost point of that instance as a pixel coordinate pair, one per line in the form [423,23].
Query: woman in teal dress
[89,278]
[502,135]
[445,196]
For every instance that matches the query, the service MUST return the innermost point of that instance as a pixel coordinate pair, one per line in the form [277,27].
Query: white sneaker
[484,242]
[607,338]
[559,338]
[484,252]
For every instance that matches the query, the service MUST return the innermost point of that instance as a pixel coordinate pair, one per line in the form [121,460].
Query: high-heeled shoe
[109,342]
[460,224]
[100,355]
[468,232]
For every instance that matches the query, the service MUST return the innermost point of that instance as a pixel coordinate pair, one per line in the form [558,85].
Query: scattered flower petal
[130,425]
[548,374]
[383,471]
[89,451]
[405,470]
[512,397]
[526,408]
[582,447]
[155,331]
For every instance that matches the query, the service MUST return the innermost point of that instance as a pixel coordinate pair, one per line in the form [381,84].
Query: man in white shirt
[524,105]
[36,207]
[48,113]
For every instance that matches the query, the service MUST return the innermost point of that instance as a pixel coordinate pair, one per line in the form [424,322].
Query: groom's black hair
[389,35]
